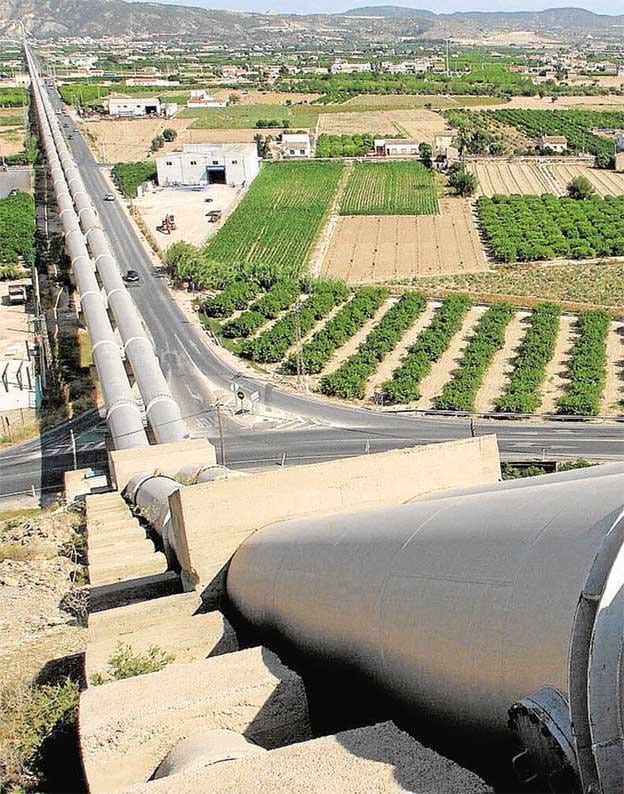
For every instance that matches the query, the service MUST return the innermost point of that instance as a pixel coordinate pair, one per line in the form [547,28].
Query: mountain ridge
[368,25]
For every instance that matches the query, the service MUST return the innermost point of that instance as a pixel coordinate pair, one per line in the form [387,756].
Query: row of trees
[316,353]
[349,380]
[460,392]
[267,307]
[430,345]
[235,296]
[271,345]
[522,394]
[587,368]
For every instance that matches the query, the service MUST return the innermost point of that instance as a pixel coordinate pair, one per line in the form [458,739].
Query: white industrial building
[122,106]
[296,145]
[234,164]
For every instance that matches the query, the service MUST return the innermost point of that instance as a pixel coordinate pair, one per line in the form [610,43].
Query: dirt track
[372,249]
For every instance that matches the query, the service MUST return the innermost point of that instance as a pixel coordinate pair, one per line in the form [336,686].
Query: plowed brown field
[372,249]
[534,178]
[423,125]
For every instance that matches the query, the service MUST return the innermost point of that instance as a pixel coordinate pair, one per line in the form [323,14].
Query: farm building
[201,99]
[123,106]
[296,145]
[556,143]
[234,164]
[393,147]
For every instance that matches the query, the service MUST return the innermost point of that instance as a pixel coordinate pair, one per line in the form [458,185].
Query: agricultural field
[280,216]
[366,250]
[423,125]
[389,188]
[247,116]
[581,283]
[576,125]
[530,228]
[452,355]
[542,176]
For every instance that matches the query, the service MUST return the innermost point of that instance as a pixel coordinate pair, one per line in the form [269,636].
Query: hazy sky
[440,6]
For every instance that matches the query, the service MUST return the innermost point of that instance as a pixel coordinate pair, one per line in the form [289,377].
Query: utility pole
[221,438]
[299,351]
[73,443]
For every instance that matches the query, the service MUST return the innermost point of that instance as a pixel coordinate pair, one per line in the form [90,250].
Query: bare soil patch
[540,176]
[374,249]
[129,140]
[608,102]
[423,125]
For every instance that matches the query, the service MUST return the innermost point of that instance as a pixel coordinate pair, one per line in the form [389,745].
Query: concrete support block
[125,534]
[117,594]
[80,482]
[127,727]
[118,569]
[176,624]
[165,459]
[211,520]
[379,759]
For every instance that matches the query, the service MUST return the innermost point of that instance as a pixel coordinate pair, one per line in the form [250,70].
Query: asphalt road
[315,430]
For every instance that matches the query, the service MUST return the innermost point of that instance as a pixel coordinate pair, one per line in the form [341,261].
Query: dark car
[131,277]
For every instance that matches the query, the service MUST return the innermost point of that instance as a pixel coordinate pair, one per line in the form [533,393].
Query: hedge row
[430,345]
[234,297]
[272,344]
[267,307]
[489,336]
[587,366]
[349,380]
[316,353]
[522,393]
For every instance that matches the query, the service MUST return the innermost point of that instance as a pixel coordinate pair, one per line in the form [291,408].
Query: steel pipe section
[491,615]
[123,415]
[163,413]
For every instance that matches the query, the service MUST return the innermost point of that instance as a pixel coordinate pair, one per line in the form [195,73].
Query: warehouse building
[234,164]
[122,106]
[396,147]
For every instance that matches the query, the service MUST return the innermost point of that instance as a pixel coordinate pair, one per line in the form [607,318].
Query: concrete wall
[210,521]
[165,459]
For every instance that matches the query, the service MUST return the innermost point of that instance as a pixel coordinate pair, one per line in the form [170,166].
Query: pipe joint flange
[542,726]
[132,339]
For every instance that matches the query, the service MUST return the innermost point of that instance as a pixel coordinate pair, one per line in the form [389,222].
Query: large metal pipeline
[162,411]
[488,615]
[122,413]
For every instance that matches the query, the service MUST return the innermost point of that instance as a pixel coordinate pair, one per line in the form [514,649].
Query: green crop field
[390,188]
[246,116]
[279,218]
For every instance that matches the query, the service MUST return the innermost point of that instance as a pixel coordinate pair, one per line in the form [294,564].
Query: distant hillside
[369,25]
[389,12]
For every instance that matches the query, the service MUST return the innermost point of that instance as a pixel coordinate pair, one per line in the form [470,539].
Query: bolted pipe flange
[542,726]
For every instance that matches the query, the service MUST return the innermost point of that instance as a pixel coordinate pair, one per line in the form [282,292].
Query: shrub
[268,307]
[128,176]
[127,664]
[580,188]
[234,297]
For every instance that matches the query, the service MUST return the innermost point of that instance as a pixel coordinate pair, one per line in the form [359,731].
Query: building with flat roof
[234,164]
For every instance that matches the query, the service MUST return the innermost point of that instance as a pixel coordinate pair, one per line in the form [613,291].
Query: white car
[109,197]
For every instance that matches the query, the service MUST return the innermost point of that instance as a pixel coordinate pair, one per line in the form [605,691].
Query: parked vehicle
[131,277]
